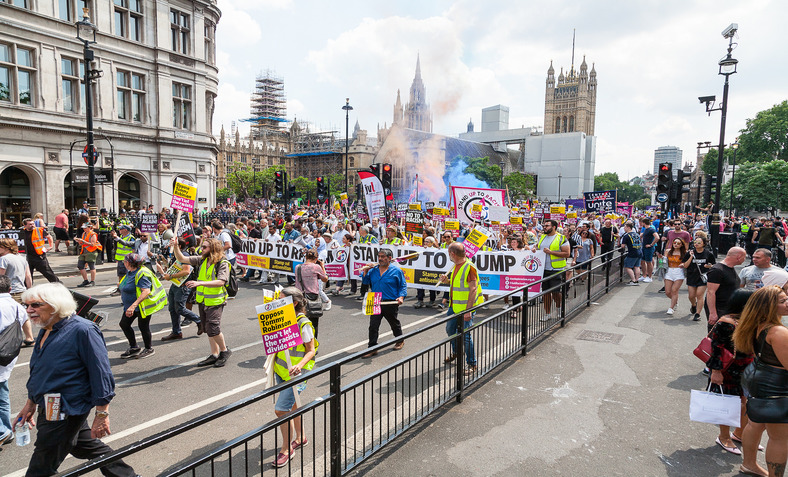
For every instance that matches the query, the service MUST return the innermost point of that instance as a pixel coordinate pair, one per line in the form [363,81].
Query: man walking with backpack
[212,277]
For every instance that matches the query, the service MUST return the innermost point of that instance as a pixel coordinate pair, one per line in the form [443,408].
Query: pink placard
[282,339]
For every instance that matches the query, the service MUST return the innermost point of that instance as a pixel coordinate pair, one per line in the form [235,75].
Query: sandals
[28,343]
[733,449]
[736,439]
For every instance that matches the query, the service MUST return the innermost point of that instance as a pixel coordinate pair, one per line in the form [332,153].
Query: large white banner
[465,197]
[373,193]
[499,272]
[283,257]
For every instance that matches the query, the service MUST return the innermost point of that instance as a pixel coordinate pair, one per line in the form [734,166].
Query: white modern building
[671,154]
[563,163]
[152,106]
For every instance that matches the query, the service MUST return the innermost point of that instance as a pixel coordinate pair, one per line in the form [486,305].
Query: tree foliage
[307,187]
[766,137]
[626,192]
[478,167]
[642,203]
[223,194]
[244,183]
[759,187]
[520,186]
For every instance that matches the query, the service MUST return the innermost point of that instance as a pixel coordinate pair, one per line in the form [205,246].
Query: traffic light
[280,178]
[322,188]
[375,168]
[711,188]
[665,178]
[385,181]
[684,181]
[291,192]
[359,191]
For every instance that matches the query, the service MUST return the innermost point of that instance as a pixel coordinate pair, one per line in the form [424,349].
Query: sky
[653,58]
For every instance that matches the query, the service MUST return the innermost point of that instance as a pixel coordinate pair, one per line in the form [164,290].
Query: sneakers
[440,306]
[431,304]
[706,372]
[185,323]
[115,293]
[173,336]
[661,290]
[693,309]
[642,279]
[130,353]
[209,361]
[145,353]
[91,284]
[6,438]
[222,359]
[419,304]
[633,284]
[84,284]
[360,297]
[282,459]
[327,305]
[546,317]
[670,311]
[647,280]
[696,317]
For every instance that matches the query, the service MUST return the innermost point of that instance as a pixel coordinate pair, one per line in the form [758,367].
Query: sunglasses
[35,304]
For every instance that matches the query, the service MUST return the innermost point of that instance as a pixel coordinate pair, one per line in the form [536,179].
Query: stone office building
[152,106]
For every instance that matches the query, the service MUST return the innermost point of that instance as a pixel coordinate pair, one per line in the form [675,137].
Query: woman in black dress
[728,380]
[698,259]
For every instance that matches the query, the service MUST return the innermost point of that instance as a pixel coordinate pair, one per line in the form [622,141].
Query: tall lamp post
[727,68]
[735,147]
[348,108]
[86,33]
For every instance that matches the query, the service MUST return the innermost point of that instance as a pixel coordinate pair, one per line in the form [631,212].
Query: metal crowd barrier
[357,419]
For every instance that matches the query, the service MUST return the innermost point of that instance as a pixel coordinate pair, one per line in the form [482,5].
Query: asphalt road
[167,388]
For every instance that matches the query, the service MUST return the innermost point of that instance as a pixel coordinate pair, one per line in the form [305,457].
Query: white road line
[219,397]
[110,290]
[359,313]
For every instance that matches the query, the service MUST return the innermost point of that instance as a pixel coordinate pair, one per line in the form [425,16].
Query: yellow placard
[418,239]
[414,206]
[571,215]
[257,261]
[451,224]
[557,209]
[476,207]
[515,210]
[175,268]
[440,211]
[185,191]
[337,206]
[369,303]
[277,318]
[515,220]
[409,275]
[343,196]
[477,237]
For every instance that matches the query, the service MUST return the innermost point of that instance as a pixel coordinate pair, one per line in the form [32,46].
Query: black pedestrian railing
[356,419]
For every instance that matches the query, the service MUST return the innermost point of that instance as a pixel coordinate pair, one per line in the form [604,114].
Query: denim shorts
[648,254]
[286,399]
[632,262]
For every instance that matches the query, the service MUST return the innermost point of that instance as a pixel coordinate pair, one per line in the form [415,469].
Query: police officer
[105,237]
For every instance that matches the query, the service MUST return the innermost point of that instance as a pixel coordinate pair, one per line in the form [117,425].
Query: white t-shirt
[10,311]
[224,237]
[15,266]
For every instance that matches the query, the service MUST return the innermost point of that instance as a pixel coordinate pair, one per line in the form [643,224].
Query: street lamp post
[727,68]
[735,147]
[348,108]
[559,186]
[86,33]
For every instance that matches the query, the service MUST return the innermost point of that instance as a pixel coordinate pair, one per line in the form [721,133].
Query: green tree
[336,183]
[626,192]
[240,180]
[765,138]
[521,186]
[642,203]
[758,186]
[223,194]
[305,186]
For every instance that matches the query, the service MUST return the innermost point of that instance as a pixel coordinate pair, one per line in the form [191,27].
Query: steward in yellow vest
[465,292]
[156,299]
[149,298]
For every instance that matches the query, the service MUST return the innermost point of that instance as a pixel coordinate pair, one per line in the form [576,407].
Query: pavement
[578,407]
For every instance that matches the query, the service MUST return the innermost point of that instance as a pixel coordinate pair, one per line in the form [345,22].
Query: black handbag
[314,305]
[11,342]
[759,377]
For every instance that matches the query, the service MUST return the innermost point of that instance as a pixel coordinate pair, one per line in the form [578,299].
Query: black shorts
[553,280]
[61,234]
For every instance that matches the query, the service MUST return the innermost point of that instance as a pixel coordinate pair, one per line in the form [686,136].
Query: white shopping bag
[715,408]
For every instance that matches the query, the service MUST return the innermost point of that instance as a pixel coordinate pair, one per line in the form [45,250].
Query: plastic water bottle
[22,435]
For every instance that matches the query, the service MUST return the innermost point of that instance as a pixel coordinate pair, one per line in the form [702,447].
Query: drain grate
[600,336]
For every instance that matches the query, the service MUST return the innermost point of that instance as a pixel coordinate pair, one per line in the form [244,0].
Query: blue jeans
[5,409]
[177,306]
[451,328]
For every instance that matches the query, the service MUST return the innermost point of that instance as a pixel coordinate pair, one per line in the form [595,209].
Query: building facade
[570,101]
[152,106]
[416,113]
[669,154]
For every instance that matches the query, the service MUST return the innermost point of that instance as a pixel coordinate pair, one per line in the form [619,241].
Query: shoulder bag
[703,276]
[314,305]
[11,342]
[703,351]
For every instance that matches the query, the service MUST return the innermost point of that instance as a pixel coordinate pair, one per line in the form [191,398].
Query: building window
[71,10]
[16,3]
[128,19]
[181,106]
[571,123]
[210,42]
[558,125]
[131,96]
[17,74]
[179,25]
[71,70]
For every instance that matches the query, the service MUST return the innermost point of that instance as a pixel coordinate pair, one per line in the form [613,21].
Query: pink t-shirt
[61,221]
[310,274]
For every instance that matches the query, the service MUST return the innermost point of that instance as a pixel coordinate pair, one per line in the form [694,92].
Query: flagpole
[417,187]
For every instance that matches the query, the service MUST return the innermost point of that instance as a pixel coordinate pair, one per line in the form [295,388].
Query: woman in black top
[698,259]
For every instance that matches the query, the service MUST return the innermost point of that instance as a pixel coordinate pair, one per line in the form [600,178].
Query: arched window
[571,123]
[558,125]
[352,161]
[563,127]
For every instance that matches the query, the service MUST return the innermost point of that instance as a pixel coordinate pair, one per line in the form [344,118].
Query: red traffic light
[278,174]
[320,179]
[664,167]
[387,168]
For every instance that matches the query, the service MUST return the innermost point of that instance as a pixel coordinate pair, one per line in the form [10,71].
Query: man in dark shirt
[37,261]
[70,365]
[609,233]
[722,281]
[765,235]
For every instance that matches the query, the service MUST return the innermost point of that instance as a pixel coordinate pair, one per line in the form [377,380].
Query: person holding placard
[178,294]
[558,249]
[301,359]
[390,282]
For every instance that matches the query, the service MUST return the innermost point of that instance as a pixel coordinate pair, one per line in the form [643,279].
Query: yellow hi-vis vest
[122,249]
[461,289]
[156,300]
[557,262]
[296,354]
[394,241]
[211,296]
[745,228]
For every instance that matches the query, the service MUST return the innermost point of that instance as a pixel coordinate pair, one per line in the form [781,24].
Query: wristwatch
[102,413]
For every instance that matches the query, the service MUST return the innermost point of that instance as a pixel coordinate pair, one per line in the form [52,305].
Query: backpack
[11,342]
[236,242]
[231,287]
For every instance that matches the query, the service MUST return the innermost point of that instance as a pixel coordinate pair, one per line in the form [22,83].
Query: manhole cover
[600,336]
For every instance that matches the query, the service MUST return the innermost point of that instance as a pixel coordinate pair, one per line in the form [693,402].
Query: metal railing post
[564,291]
[608,262]
[621,269]
[460,355]
[524,327]
[590,273]
[335,387]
